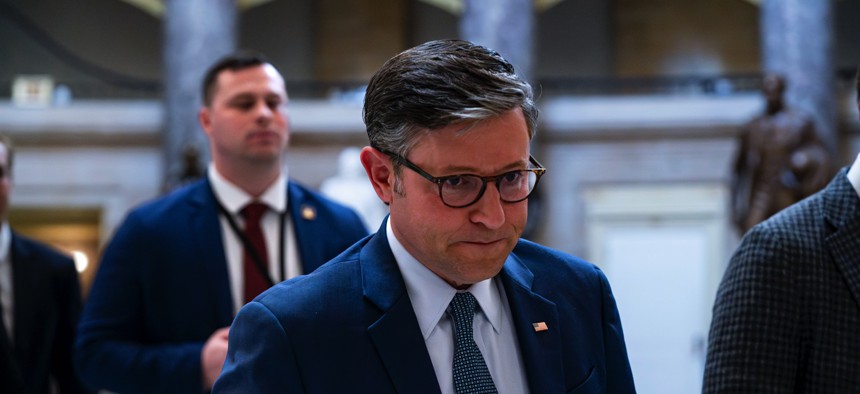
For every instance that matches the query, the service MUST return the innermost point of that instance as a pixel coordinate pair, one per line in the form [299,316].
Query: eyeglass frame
[539,171]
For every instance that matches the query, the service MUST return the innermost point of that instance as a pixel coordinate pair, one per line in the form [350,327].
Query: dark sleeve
[754,340]
[111,350]
[259,358]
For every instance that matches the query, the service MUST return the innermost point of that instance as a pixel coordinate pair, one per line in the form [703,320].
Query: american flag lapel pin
[540,326]
[309,212]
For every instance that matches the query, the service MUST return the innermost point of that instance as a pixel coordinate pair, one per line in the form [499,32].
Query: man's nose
[488,210]
[263,111]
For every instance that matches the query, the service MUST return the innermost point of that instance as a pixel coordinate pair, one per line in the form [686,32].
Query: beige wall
[683,37]
[356,36]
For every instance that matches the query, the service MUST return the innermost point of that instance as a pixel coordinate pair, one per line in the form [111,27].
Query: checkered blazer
[787,313]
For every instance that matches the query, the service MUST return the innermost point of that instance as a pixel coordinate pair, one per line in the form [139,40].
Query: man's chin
[475,277]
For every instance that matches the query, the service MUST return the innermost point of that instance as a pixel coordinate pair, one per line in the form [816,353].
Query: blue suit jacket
[350,327]
[162,288]
[47,300]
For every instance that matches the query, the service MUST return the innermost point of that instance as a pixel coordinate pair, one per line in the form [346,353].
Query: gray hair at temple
[437,84]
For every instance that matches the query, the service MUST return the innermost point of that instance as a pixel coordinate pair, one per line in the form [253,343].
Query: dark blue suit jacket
[162,288]
[47,299]
[349,327]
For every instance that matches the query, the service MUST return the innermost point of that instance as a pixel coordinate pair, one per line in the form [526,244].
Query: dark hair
[238,60]
[10,150]
[437,84]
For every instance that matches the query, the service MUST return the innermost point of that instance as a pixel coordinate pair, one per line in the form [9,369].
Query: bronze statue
[780,160]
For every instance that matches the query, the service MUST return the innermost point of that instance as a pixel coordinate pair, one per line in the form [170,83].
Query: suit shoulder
[42,253]
[803,213]
[555,264]
[329,281]
[801,226]
[172,207]
[177,198]
[790,244]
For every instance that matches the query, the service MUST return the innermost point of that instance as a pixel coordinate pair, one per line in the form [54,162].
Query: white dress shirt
[854,175]
[493,329]
[7,292]
[234,199]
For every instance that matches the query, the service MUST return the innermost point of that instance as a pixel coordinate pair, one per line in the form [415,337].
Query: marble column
[196,34]
[798,41]
[506,26]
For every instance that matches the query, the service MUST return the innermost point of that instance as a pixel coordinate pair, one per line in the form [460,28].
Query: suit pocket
[589,385]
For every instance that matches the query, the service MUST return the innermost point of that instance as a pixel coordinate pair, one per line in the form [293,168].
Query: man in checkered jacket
[787,314]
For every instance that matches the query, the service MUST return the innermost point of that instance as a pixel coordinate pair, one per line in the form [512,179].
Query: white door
[660,248]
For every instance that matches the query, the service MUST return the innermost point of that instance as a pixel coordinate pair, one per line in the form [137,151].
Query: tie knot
[254,211]
[463,306]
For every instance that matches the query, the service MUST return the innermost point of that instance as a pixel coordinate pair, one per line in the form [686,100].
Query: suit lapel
[395,334]
[206,230]
[840,202]
[27,288]
[307,229]
[10,372]
[540,350]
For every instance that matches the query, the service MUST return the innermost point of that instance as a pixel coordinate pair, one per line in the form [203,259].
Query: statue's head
[773,85]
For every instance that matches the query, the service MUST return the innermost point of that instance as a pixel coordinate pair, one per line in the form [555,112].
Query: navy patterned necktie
[470,370]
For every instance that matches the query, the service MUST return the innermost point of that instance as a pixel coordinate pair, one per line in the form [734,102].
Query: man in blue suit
[179,267]
[445,297]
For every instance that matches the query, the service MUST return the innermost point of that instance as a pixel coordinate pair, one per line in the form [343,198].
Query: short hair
[6,140]
[235,61]
[440,83]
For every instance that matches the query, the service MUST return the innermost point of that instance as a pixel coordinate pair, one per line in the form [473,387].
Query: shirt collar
[233,198]
[430,295]
[5,241]
[854,175]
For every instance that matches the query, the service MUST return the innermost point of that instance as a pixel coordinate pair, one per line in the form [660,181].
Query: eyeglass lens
[462,190]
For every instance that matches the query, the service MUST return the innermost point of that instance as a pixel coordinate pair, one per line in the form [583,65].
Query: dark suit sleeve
[753,345]
[67,298]
[260,358]
[113,351]
[619,377]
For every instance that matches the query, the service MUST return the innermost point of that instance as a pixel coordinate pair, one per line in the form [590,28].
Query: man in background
[40,301]
[445,297]
[787,314]
[179,267]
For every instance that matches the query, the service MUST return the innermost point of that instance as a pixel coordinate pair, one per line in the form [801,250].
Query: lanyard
[255,254]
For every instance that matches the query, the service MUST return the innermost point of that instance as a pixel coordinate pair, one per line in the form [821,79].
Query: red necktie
[255,282]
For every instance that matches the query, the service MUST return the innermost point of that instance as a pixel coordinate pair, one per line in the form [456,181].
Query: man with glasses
[445,297]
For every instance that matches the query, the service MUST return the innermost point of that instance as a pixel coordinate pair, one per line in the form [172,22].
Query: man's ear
[205,119]
[380,172]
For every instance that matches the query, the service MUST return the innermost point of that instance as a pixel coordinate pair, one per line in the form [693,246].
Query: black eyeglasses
[462,190]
